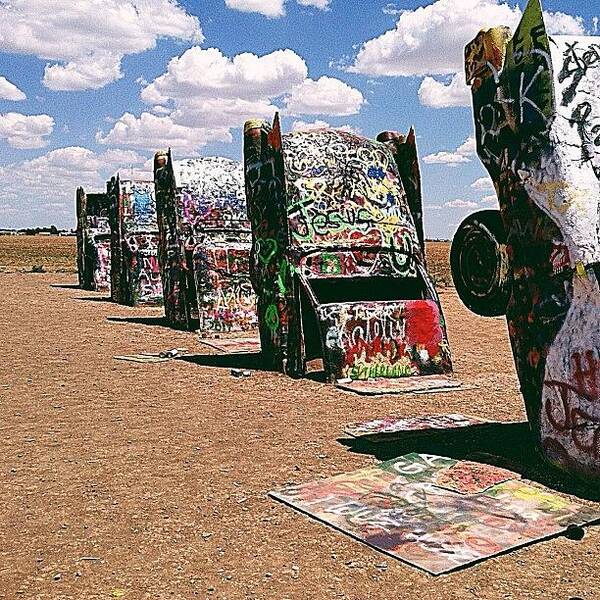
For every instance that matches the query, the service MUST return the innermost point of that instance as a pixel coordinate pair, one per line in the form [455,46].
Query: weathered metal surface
[371,340]
[135,274]
[436,513]
[537,115]
[93,241]
[337,259]
[205,244]
[389,426]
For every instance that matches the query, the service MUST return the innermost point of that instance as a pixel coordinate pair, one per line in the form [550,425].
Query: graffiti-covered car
[135,274]
[93,240]
[536,102]
[205,242]
[337,261]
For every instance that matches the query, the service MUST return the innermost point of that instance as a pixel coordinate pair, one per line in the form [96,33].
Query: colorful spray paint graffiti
[135,273]
[537,115]
[337,261]
[436,513]
[93,241]
[205,244]
[388,426]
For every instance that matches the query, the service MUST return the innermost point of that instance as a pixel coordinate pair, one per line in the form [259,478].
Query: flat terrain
[24,252]
[124,480]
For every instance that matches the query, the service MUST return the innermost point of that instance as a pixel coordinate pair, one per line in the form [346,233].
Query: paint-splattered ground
[124,480]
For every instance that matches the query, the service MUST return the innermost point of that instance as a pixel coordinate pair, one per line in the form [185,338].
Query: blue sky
[99,85]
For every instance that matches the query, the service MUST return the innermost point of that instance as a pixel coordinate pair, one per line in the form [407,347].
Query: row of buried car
[317,241]
[318,246]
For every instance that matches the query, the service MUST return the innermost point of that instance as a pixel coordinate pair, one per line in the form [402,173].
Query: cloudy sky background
[93,86]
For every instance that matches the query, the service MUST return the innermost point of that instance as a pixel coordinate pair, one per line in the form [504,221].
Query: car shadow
[507,445]
[159,321]
[242,360]
[94,299]
[66,286]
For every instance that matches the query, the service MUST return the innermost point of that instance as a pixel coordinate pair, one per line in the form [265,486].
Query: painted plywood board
[399,385]
[387,427]
[435,513]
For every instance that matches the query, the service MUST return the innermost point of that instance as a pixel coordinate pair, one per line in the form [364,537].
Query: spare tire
[480,265]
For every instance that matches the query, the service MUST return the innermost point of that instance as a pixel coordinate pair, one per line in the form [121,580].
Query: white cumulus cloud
[430,40]
[272,8]
[318,124]
[483,184]
[25,131]
[461,155]
[87,40]
[9,91]
[42,190]
[208,73]
[326,96]
[459,203]
[204,94]
[152,132]
[268,8]
[320,4]
[436,94]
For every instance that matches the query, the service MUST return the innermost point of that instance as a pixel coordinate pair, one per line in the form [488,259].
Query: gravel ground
[123,480]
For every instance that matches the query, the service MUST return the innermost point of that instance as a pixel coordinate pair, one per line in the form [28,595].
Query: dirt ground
[124,480]
[56,254]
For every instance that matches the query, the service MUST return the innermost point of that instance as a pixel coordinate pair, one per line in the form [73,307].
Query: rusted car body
[205,242]
[93,241]
[337,259]
[135,274]
[537,114]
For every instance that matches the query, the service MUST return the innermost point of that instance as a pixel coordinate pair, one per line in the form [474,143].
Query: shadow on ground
[94,299]
[245,360]
[66,286]
[507,445]
[150,321]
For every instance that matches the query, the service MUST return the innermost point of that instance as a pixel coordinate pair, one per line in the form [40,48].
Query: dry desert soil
[150,481]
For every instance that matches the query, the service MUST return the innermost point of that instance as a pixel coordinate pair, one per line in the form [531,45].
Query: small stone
[57,577]
[267,574]
[206,535]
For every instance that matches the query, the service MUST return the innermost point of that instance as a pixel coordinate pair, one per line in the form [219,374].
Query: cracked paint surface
[205,244]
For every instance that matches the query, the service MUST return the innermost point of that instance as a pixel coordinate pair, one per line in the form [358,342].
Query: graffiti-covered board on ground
[388,426]
[437,513]
[135,273]
[337,259]
[93,240]
[537,114]
[205,244]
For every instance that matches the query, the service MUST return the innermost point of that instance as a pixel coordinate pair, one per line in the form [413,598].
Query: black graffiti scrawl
[536,102]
